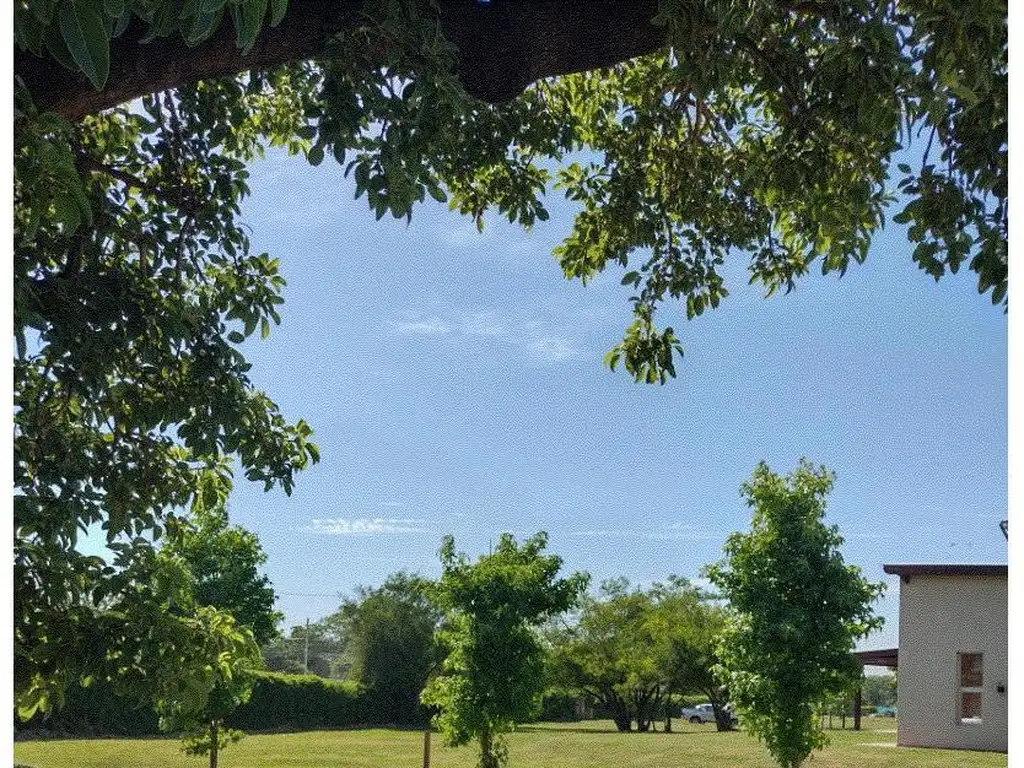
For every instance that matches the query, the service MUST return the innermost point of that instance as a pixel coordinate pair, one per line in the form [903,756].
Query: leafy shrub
[279,702]
[297,702]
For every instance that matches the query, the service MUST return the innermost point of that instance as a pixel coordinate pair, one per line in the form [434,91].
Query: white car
[702,713]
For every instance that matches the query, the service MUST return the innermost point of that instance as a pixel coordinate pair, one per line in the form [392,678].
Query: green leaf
[315,156]
[236,337]
[204,25]
[437,193]
[277,10]
[248,21]
[83,31]
[113,8]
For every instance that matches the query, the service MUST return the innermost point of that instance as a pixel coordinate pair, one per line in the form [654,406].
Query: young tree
[797,609]
[224,562]
[389,637]
[493,675]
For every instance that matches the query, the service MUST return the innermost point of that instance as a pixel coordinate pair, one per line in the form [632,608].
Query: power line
[333,595]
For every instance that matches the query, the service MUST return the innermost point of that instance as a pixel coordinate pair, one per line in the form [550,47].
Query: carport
[887,657]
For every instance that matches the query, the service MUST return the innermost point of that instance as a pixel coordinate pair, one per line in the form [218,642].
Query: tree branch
[502,47]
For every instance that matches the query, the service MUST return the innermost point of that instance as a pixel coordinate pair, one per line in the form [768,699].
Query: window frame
[962,689]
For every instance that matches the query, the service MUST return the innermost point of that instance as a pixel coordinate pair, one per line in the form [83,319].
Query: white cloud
[529,336]
[551,349]
[483,324]
[658,535]
[362,526]
[427,326]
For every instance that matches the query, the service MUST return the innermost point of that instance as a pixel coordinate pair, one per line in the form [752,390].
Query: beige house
[952,656]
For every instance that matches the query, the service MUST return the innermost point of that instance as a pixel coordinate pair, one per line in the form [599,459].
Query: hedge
[279,702]
[301,702]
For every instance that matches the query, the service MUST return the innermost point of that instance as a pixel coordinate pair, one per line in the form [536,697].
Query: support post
[857,701]
[426,749]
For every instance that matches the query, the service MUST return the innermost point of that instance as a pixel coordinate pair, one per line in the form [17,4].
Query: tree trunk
[487,757]
[619,711]
[723,719]
[214,743]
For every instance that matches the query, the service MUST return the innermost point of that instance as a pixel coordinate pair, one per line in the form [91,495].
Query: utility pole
[305,650]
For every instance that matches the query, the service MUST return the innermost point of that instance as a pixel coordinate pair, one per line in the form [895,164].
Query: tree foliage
[224,563]
[389,637]
[879,690]
[631,650]
[763,130]
[493,675]
[797,610]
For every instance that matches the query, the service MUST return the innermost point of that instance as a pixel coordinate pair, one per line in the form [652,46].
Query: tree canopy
[797,610]
[223,561]
[389,636]
[493,675]
[762,130]
[630,650]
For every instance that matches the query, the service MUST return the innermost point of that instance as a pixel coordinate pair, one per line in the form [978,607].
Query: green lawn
[551,745]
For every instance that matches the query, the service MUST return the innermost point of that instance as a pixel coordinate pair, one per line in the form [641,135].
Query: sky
[455,384]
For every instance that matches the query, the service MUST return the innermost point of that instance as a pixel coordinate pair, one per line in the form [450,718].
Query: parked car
[703,713]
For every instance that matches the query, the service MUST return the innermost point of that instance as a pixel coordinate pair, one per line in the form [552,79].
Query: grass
[547,745]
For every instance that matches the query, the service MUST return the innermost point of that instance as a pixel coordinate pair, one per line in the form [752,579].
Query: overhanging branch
[503,46]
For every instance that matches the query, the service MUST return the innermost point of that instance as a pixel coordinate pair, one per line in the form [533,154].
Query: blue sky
[455,384]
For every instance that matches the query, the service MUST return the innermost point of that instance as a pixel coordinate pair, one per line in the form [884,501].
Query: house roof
[887,657]
[926,569]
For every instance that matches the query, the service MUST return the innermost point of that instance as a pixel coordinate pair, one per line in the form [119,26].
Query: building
[952,660]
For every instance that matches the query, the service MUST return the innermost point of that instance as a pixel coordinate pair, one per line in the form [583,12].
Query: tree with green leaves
[797,608]
[493,675]
[688,624]
[315,648]
[879,690]
[224,562]
[389,636]
[631,650]
[686,132]
[610,653]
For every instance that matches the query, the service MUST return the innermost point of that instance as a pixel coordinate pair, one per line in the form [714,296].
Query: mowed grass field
[547,745]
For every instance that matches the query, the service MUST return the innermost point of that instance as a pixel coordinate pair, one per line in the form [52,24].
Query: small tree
[493,676]
[798,608]
[389,634]
[224,561]
[233,609]
[225,655]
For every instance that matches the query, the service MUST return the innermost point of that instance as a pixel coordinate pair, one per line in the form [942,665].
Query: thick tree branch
[503,45]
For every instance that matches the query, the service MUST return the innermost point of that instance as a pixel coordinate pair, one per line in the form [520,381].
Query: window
[969,694]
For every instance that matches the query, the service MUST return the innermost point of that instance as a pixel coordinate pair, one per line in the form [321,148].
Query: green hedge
[279,702]
[298,702]
[94,711]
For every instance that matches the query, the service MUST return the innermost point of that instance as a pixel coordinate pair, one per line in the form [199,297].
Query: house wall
[941,616]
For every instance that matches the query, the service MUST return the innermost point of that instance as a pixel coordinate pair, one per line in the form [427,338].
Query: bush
[94,711]
[279,702]
[297,702]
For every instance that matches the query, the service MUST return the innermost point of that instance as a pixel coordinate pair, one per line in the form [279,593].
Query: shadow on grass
[583,729]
